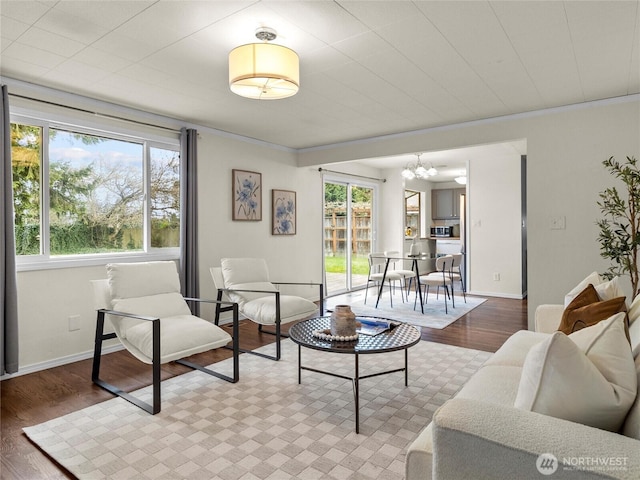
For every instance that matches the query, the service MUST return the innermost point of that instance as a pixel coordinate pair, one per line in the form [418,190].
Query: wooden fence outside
[335,230]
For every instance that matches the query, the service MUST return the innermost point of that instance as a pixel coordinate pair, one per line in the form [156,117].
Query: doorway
[348,234]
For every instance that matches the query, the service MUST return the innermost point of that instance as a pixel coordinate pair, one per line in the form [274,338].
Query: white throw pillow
[594,387]
[634,336]
[157,306]
[631,427]
[593,279]
[610,289]
[634,310]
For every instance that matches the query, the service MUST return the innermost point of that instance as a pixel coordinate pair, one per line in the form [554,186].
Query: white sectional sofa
[479,433]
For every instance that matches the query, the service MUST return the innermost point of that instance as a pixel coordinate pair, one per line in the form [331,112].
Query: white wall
[565,150]
[391,218]
[46,299]
[494,226]
[290,257]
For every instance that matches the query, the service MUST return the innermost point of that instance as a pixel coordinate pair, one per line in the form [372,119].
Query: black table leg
[418,285]
[356,393]
[299,364]
[406,367]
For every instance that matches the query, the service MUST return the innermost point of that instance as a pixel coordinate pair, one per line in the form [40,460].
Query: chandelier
[264,71]
[418,170]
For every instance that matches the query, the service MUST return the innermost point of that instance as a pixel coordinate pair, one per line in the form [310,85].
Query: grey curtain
[189,215]
[8,280]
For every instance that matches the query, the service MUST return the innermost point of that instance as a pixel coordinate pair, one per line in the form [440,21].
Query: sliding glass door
[348,234]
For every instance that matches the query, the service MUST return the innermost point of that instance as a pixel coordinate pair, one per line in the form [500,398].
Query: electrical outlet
[496,277]
[558,223]
[74,323]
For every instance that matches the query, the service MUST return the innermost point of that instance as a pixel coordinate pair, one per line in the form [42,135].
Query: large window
[80,193]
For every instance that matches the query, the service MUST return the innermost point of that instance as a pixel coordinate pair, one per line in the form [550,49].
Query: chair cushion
[244,270]
[436,278]
[180,336]
[513,351]
[263,310]
[588,377]
[243,297]
[128,280]
[158,306]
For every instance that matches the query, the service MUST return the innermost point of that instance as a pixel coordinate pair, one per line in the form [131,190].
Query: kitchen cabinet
[445,203]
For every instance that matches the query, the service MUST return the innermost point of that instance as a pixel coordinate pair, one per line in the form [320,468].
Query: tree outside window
[96,193]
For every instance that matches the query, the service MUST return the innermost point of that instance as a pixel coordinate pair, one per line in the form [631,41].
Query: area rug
[266,426]
[434,315]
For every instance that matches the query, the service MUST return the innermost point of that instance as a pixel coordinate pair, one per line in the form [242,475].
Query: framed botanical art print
[247,195]
[283,213]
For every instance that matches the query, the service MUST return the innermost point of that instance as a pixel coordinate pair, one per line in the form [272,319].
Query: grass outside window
[337,264]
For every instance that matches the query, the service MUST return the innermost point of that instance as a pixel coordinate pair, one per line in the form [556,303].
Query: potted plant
[619,235]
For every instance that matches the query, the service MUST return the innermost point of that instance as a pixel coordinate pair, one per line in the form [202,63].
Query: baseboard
[498,295]
[57,362]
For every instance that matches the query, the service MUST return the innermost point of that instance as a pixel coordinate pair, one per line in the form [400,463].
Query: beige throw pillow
[591,380]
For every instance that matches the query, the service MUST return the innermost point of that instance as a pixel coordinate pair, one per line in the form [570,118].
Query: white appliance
[447,247]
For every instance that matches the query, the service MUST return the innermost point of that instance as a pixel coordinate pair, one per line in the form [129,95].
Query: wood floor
[41,396]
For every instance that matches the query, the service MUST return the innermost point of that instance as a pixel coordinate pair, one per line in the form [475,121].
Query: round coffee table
[400,337]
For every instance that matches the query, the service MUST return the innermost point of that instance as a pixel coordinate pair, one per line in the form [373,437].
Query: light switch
[558,223]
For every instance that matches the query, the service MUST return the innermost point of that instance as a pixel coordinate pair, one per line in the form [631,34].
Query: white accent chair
[377,266]
[246,281]
[152,320]
[440,278]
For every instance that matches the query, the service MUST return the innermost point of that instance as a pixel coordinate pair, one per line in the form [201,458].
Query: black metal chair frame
[156,365]
[278,334]
[463,288]
[447,294]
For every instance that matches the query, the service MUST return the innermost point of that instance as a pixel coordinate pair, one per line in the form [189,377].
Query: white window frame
[45,261]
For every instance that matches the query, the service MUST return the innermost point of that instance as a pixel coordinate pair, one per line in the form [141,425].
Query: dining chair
[395,257]
[377,264]
[440,278]
[456,273]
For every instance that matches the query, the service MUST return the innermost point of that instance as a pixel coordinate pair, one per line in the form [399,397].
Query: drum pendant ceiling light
[264,71]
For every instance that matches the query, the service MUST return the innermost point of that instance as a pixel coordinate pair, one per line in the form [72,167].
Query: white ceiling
[368,68]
